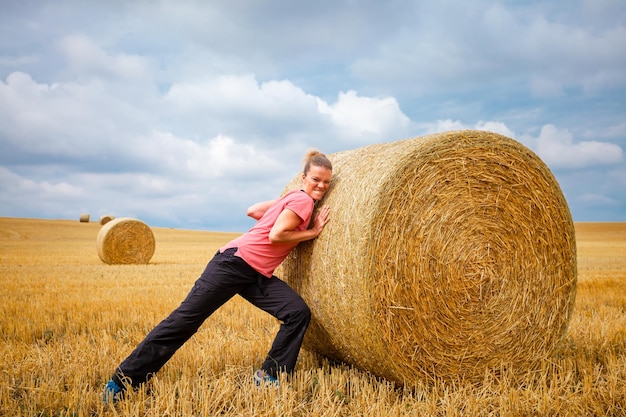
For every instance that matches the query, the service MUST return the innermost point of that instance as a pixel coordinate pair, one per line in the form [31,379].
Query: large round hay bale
[84,218]
[105,218]
[446,256]
[125,241]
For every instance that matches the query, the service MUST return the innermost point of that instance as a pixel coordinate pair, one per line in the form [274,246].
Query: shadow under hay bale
[125,241]
[446,256]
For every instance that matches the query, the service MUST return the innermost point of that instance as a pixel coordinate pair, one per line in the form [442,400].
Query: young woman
[244,266]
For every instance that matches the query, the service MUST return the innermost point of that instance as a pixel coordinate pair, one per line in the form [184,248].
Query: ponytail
[316,158]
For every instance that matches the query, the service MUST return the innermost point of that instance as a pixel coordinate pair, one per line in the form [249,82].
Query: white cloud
[232,96]
[448,124]
[237,100]
[43,190]
[78,151]
[558,149]
[597,200]
[443,126]
[66,120]
[366,119]
[542,46]
[190,109]
[84,57]
[221,157]
[496,127]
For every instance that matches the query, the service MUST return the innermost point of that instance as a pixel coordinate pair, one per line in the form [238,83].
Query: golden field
[68,319]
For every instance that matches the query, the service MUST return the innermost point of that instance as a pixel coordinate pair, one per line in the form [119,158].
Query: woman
[244,266]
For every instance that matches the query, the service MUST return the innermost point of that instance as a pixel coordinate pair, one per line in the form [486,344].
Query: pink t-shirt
[255,247]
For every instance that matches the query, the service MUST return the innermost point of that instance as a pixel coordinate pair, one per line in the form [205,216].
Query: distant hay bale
[84,218]
[105,218]
[446,256]
[125,241]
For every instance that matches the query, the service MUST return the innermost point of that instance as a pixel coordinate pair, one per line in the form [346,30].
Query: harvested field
[68,320]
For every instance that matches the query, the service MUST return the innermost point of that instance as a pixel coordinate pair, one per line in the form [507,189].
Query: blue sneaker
[263,379]
[112,392]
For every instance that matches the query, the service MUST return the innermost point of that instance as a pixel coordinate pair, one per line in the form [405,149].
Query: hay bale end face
[105,218]
[84,218]
[446,256]
[125,241]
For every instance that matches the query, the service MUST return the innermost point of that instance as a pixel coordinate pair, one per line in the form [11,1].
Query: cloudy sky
[182,113]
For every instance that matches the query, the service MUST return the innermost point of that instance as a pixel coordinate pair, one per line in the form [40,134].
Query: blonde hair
[316,158]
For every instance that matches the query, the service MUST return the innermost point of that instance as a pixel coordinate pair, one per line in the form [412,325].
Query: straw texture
[125,241]
[446,255]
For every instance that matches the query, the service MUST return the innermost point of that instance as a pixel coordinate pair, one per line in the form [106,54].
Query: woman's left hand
[321,219]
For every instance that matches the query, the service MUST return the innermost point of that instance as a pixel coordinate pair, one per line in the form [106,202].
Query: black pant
[224,276]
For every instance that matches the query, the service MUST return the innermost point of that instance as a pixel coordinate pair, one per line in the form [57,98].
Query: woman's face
[316,182]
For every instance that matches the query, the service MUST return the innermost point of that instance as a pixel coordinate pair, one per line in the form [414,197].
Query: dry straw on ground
[105,218]
[125,241]
[84,218]
[446,256]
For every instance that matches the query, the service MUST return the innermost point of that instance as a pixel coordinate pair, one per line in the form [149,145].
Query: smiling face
[316,181]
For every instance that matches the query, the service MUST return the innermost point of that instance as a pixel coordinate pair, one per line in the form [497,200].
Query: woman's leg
[219,282]
[281,301]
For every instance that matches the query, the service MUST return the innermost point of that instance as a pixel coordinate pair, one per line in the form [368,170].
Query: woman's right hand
[285,227]
[256,211]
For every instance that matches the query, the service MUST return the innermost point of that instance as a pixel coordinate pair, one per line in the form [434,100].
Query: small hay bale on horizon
[105,218]
[446,256]
[84,218]
[125,241]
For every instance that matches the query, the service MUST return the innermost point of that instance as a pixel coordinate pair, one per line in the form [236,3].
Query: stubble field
[67,320]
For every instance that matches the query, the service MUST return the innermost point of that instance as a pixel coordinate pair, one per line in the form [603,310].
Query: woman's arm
[284,229]
[256,211]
